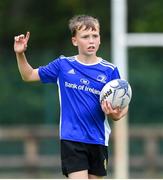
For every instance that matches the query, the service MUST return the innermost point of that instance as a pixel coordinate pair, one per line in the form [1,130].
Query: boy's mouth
[91,47]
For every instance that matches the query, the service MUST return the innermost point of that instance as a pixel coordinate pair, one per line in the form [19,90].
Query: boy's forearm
[25,68]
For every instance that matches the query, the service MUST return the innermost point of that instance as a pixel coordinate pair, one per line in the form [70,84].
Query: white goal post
[121,40]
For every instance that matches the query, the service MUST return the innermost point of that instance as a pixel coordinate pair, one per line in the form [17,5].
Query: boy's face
[87,41]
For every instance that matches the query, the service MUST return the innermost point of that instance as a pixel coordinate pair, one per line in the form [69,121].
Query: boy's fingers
[21,36]
[27,36]
[16,38]
[105,107]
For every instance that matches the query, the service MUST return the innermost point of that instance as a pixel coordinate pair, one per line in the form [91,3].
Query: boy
[84,128]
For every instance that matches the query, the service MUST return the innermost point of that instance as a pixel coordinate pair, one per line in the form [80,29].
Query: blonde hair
[80,21]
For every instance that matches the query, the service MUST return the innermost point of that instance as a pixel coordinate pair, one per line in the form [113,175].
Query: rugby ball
[117,92]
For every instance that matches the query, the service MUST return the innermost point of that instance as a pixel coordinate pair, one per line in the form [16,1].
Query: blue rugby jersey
[81,116]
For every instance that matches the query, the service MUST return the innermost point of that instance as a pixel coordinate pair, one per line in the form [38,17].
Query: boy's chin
[91,53]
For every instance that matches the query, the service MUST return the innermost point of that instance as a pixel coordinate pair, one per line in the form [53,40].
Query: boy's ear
[74,42]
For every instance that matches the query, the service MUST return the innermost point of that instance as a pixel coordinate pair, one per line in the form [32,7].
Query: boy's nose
[91,40]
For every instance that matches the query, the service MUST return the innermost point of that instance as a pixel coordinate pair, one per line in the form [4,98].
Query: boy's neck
[87,59]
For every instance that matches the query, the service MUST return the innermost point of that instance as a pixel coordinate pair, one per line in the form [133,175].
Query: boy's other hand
[115,114]
[20,43]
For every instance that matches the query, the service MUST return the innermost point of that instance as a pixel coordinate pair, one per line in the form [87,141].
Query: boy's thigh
[76,156]
[79,175]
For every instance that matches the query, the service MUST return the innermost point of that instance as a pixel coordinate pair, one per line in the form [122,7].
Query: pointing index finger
[27,36]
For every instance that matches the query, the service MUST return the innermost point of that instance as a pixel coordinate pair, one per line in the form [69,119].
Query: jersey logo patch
[84,81]
[71,71]
[102,78]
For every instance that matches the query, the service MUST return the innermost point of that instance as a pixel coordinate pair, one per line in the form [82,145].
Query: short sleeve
[115,74]
[50,72]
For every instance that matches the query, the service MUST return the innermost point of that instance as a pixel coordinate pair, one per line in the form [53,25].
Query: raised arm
[25,69]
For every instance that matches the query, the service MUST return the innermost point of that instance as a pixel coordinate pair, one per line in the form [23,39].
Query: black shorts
[77,156]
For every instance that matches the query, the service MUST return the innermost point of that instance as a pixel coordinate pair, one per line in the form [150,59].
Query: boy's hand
[115,114]
[20,44]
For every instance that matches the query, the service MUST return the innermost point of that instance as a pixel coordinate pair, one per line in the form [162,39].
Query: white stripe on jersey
[71,58]
[108,64]
[60,101]
[107,130]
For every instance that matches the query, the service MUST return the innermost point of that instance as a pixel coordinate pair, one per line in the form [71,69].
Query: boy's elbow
[25,79]
[31,77]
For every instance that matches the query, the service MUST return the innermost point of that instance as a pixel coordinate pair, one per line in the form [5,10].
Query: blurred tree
[145,16]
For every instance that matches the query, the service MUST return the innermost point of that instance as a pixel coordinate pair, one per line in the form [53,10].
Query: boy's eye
[85,36]
[95,36]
